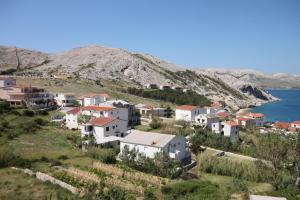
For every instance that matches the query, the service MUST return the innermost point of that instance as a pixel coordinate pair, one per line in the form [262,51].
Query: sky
[258,34]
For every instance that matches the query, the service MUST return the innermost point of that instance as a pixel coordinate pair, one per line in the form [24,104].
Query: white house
[258,117]
[105,129]
[164,87]
[188,112]
[295,124]
[149,143]
[93,99]
[206,120]
[72,118]
[152,86]
[228,129]
[65,99]
[125,110]
[7,82]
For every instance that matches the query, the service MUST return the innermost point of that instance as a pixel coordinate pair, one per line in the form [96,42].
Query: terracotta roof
[101,121]
[242,118]
[91,95]
[282,125]
[223,114]
[255,115]
[231,123]
[98,108]
[186,107]
[74,111]
[296,122]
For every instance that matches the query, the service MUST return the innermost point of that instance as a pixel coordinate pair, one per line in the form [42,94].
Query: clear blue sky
[257,34]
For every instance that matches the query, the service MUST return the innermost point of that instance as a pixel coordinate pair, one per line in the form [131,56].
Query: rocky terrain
[238,88]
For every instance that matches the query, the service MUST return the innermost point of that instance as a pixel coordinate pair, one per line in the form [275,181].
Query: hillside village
[107,122]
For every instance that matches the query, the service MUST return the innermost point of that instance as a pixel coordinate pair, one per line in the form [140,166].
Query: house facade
[150,143]
[65,99]
[105,130]
[246,122]
[72,118]
[188,112]
[296,125]
[228,129]
[151,111]
[206,120]
[93,99]
[258,117]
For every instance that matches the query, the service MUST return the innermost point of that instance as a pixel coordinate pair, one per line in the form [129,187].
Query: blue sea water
[287,109]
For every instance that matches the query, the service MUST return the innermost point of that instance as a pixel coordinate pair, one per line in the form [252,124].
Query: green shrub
[107,156]
[63,157]
[155,123]
[40,121]
[28,113]
[9,158]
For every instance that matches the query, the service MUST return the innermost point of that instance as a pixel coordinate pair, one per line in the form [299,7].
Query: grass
[18,186]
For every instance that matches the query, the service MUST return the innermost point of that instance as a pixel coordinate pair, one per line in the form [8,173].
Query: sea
[287,109]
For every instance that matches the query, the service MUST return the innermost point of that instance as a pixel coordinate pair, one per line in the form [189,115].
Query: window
[116,126]
[113,127]
[107,128]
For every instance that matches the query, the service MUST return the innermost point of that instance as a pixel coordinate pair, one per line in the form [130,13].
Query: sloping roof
[186,107]
[74,111]
[98,108]
[223,114]
[282,125]
[296,122]
[242,118]
[101,121]
[148,138]
[255,115]
[259,197]
[231,123]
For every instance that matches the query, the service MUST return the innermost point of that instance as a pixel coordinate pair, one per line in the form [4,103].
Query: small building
[106,130]
[258,117]
[151,111]
[228,129]
[65,99]
[72,118]
[152,86]
[206,120]
[223,115]
[281,125]
[7,81]
[93,99]
[186,90]
[296,125]
[188,112]
[164,87]
[149,143]
[246,122]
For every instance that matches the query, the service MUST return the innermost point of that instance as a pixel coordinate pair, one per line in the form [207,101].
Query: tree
[294,154]
[274,148]
[155,123]
[196,143]
[169,111]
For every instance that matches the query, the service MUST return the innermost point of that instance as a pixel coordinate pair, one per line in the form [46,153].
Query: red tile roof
[256,115]
[231,123]
[186,107]
[223,114]
[242,118]
[282,125]
[98,108]
[296,122]
[101,121]
[74,111]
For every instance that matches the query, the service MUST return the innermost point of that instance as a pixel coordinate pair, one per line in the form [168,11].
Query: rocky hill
[239,89]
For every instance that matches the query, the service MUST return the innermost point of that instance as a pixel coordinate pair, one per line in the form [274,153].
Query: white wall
[71,121]
[231,131]
[7,82]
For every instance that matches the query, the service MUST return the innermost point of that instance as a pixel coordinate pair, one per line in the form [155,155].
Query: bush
[40,121]
[9,158]
[155,123]
[28,113]
[107,156]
